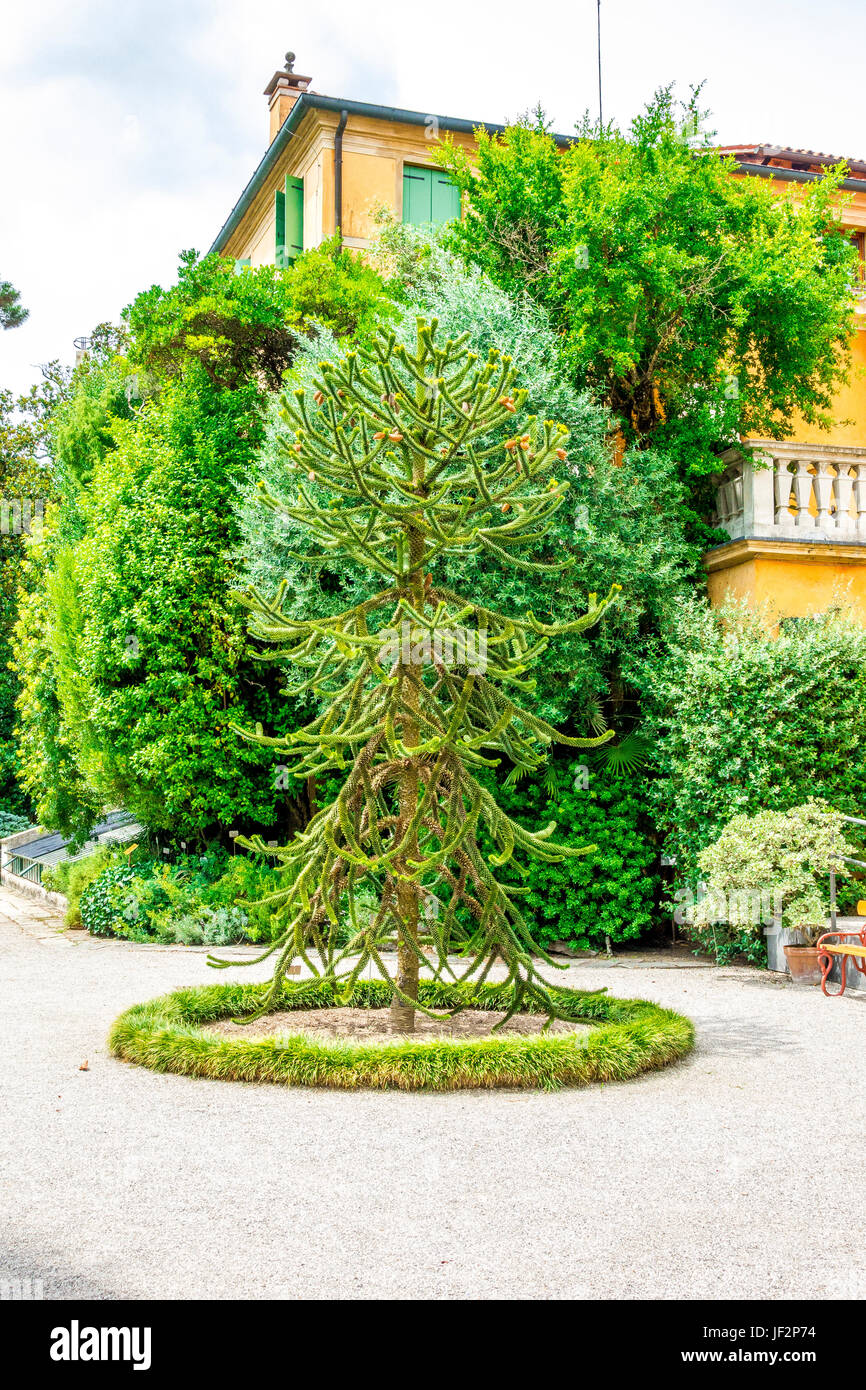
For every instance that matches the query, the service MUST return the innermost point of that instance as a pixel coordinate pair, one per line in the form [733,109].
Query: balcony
[796,518]
[793,492]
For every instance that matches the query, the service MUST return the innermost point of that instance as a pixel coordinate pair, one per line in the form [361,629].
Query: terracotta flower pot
[803,964]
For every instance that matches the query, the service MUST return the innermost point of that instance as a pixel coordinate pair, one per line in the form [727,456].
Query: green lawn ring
[628,1037]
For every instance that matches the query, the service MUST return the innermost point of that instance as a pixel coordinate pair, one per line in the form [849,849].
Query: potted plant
[770,872]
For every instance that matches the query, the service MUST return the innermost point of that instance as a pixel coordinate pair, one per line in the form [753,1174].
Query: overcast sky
[128,128]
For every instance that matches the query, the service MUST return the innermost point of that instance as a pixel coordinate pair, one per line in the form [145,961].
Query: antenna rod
[598,11]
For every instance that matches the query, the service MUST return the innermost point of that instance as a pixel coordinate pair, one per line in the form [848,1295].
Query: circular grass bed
[628,1036]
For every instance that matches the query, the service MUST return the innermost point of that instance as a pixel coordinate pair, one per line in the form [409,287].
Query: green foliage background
[743,720]
[207,898]
[631,278]
[26,475]
[131,655]
[612,893]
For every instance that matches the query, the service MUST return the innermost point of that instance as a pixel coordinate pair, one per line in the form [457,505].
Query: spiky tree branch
[399,461]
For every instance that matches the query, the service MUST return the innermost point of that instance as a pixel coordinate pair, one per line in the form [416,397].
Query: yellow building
[795,511]
[329,164]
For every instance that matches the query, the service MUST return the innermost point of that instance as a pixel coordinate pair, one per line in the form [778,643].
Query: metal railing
[31,869]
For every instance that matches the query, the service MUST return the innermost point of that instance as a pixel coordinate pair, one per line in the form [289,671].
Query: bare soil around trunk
[373,1025]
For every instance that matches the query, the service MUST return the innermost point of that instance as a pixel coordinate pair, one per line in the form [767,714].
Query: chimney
[283,91]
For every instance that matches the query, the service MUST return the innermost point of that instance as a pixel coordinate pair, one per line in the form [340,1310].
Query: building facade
[795,511]
[330,164]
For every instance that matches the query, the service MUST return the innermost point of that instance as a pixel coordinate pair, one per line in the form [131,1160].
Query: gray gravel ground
[731,1175]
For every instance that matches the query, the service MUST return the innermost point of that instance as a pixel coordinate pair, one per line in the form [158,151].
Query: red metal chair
[826,954]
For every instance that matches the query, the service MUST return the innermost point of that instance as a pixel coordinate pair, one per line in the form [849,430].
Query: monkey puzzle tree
[401,462]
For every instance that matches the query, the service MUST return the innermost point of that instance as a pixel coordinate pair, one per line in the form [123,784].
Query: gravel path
[701,1181]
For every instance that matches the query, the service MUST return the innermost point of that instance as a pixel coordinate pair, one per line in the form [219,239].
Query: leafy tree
[69,419]
[12,311]
[27,485]
[133,659]
[161,656]
[698,306]
[46,752]
[412,465]
[245,327]
[775,863]
[101,391]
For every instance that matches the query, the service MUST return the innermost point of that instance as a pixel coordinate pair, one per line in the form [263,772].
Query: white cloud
[130,129]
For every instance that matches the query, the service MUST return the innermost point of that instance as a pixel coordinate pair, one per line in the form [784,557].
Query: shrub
[73,876]
[742,720]
[211,927]
[11,822]
[100,903]
[773,865]
[192,901]
[246,880]
[610,893]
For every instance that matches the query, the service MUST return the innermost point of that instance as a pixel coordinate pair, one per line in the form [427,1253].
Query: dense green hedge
[745,719]
[131,653]
[611,892]
[630,1036]
[73,877]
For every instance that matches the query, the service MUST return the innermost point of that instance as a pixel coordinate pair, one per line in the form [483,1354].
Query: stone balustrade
[787,491]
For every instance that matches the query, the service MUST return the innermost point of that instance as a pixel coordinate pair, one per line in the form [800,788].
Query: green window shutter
[417,206]
[280,239]
[294,226]
[446,199]
[429,195]
[241,265]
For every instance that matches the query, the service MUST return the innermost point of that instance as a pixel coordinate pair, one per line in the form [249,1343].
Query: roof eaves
[764,152]
[772,171]
[308,101]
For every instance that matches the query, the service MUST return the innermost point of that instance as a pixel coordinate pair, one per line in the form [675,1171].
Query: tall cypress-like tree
[401,460]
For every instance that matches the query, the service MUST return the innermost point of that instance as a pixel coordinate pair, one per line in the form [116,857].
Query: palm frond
[627,757]
[595,715]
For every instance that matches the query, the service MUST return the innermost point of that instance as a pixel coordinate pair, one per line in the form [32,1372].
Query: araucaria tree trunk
[402,459]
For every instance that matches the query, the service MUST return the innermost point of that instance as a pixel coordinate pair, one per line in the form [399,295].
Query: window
[289,219]
[429,195]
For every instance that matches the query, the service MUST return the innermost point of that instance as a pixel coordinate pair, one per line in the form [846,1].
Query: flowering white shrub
[783,856]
